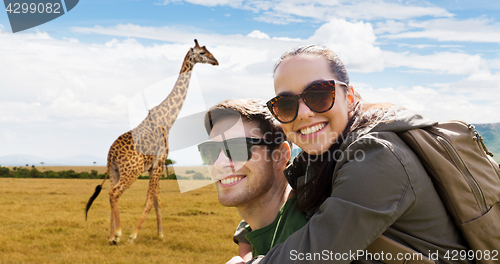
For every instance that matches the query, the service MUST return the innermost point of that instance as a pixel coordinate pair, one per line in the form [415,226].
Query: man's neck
[262,211]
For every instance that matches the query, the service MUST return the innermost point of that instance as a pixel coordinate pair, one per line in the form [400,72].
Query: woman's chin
[315,150]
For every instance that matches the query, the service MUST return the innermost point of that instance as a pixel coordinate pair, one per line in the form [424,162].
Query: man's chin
[229,200]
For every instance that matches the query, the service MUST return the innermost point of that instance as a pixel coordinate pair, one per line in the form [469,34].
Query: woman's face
[312,132]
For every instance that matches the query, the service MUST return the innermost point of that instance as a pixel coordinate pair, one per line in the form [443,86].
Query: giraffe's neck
[167,111]
[187,64]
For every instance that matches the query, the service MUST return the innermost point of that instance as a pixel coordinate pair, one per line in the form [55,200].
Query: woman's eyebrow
[286,93]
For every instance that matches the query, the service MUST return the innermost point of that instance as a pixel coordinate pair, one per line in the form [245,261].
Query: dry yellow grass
[79,169]
[42,221]
[179,170]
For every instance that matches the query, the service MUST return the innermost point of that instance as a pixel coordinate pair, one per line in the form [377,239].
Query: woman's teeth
[313,129]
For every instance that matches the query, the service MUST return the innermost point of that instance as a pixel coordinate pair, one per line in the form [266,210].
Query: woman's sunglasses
[319,97]
[236,149]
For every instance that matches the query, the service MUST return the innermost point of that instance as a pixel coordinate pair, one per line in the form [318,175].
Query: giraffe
[145,148]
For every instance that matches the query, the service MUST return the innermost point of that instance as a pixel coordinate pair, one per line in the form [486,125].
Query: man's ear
[282,153]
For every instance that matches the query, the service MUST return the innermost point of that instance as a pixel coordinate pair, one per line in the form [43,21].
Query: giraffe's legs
[154,178]
[112,230]
[114,195]
[115,228]
[158,212]
[114,178]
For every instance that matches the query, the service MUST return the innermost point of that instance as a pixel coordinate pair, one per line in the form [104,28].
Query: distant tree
[4,172]
[35,173]
[198,176]
[22,173]
[94,163]
[169,162]
[27,165]
[15,168]
[42,164]
[33,166]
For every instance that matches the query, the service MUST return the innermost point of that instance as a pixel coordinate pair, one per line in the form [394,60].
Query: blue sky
[68,86]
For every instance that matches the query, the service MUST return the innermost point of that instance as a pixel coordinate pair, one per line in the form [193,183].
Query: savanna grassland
[43,221]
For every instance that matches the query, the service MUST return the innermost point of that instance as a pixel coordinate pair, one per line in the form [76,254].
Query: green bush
[35,173]
[22,173]
[4,172]
[51,174]
[198,176]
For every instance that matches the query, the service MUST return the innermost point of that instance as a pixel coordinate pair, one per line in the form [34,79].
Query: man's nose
[222,160]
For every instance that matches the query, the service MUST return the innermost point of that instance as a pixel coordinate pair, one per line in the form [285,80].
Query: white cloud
[436,104]
[438,63]
[277,18]
[354,42]
[359,10]
[286,11]
[258,34]
[55,80]
[390,26]
[450,29]
[481,87]
[210,3]
[424,46]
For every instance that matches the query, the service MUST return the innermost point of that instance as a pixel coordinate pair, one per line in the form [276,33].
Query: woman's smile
[312,131]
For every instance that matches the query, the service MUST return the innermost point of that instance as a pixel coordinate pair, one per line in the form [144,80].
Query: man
[246,154]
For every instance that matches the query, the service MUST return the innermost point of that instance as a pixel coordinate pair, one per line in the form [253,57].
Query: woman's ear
[351,98]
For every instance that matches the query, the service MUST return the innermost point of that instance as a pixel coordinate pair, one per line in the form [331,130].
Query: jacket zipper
[480,142]
[476,190]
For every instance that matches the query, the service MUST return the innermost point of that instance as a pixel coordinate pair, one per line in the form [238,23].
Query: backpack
[467,180]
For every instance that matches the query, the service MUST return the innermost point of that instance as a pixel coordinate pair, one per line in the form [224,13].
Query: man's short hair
[251,110]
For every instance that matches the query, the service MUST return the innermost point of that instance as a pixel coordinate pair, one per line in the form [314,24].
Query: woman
[356,178]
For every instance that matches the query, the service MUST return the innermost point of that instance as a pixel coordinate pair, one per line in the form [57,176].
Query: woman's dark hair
[318,187]
[336,65]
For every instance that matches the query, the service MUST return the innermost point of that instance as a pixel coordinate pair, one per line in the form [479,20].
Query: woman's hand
[236,260]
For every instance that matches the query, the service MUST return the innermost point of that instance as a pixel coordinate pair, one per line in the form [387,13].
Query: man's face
[239,182]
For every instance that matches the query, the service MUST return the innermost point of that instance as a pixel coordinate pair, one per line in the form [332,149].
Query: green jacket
[379,187]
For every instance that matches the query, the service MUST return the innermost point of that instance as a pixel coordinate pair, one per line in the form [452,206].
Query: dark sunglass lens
[285,108]
[209,152]
[238,149]
[319,98]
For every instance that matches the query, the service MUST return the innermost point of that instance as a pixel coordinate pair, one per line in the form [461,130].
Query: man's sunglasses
[319,97]
[236,149]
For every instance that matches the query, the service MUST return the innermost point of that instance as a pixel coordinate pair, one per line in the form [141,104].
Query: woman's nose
[304,111]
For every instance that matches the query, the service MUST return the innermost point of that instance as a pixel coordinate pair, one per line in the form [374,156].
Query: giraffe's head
[202,55]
